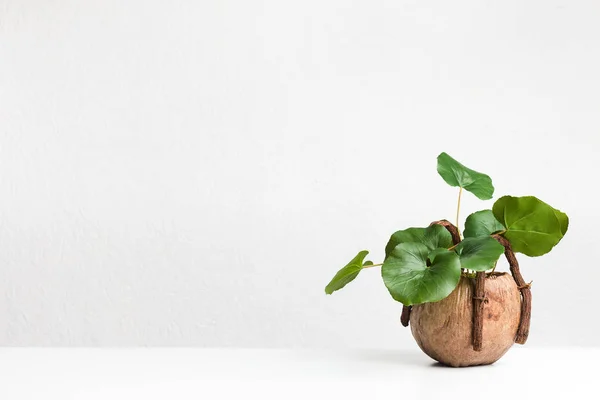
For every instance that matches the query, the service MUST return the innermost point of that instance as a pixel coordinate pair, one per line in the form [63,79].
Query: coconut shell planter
[460,310]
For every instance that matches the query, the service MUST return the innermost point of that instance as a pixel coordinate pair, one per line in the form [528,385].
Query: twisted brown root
[478,303]
[405,317]
[451,228]
[523,330]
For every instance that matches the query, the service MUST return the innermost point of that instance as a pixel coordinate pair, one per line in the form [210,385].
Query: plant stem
[372,265]
[458,209]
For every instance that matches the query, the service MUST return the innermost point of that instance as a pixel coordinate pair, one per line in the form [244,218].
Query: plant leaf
[456,174]
[532,226]
[409,279]
[563,220]
[432,237]
[481,223]
[347,274]
[479,253]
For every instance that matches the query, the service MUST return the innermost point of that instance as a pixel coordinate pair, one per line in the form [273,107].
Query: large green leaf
[479,253]
[482,223]
[433,236]
[456,174]
[532,226]
[348,273]
[413,274]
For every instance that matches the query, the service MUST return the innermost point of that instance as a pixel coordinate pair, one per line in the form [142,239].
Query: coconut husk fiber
[444,329]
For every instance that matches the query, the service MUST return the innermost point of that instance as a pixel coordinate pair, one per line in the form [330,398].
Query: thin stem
[372,265]
[494,269]
[458,209]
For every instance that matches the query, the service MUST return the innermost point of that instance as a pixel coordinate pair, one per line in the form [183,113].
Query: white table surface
[182,373]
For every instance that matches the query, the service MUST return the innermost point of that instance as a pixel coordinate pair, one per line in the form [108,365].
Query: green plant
[425,264]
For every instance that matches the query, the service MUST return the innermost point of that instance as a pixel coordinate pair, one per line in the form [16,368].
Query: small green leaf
[347,274]
[433,236]
[479,253]
[482,223]
[409,278]
[532,226]
[366,263]
[456,174]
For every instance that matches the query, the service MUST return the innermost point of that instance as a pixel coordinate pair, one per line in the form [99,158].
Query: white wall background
[194,172]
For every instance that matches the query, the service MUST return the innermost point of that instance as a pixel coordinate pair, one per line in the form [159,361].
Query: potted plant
[462,311]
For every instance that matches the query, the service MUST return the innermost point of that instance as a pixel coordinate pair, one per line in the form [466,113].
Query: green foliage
[432,237]
[348,273]
[456,174]
[421,264]
[479,253]
[532,226]
[482,223]
[414,274]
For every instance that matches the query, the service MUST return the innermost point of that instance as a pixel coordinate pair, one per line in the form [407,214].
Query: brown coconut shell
[444,329]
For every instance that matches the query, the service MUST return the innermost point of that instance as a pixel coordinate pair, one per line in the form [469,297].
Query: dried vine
[405,317]
[451,228]
[523,330]
[478,304]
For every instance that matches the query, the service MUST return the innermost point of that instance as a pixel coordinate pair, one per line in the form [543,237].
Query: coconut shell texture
[443,330]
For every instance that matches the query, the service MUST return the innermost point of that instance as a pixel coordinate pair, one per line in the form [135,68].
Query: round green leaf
[433,236]
[480,253]
[456,174]
[413,274]
[347,273]
[482,223]
[532,226]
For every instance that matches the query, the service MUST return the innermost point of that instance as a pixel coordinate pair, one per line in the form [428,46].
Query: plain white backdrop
[194,172]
